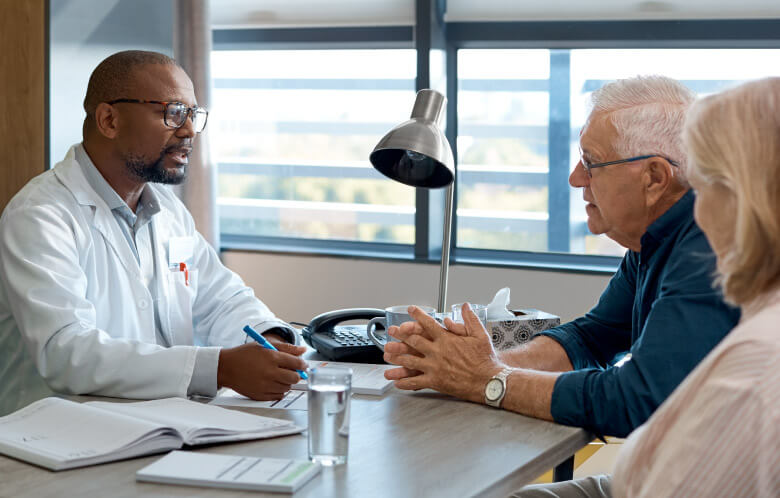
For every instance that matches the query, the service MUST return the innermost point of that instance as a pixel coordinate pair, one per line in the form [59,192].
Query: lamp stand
[445,247]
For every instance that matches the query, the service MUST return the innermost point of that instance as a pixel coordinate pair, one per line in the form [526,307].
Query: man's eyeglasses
[588,166]
[174,113]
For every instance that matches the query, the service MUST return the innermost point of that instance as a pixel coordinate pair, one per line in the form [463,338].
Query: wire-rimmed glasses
[588,166]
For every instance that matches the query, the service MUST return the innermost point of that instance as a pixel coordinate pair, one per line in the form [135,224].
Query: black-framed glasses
[174,113]
[587,166]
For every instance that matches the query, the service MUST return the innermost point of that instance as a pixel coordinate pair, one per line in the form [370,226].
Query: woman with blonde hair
[718,434]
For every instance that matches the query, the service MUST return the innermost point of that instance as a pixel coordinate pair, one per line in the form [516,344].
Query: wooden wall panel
[22,94]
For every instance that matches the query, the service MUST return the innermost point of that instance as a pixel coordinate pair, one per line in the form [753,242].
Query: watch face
[494,389]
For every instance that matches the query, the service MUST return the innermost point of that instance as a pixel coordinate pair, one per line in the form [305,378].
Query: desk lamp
[417,153]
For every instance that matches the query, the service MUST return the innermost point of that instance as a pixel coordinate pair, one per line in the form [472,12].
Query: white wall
[298,287]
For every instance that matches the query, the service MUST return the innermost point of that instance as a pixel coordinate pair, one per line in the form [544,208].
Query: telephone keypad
[349,336]
[344,342]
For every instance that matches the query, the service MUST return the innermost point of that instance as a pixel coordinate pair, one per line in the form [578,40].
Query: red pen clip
[183,267]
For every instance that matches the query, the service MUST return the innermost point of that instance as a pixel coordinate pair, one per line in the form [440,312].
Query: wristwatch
[495,389]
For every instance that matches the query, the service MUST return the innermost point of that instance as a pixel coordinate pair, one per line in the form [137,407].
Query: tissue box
[527,323]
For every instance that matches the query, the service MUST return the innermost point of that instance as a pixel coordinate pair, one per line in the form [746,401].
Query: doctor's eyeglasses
[174,113]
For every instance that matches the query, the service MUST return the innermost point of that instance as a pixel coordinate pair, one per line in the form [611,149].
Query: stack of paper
[367,378]
[292,400]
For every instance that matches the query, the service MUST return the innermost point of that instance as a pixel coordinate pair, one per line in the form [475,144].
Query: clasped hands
[456,359]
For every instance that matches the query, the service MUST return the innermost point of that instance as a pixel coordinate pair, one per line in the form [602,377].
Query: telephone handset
[343,342]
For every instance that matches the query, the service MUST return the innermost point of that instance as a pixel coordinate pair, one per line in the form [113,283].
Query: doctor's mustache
[183,146]
[154,171]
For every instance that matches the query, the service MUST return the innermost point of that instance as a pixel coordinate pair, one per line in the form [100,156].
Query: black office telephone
[343,342]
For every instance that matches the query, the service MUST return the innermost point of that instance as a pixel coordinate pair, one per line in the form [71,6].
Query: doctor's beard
[155,172]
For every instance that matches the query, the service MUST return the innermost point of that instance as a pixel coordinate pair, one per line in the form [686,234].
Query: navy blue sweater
[662,308]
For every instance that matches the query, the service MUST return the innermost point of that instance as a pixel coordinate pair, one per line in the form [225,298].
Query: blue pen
[267,345]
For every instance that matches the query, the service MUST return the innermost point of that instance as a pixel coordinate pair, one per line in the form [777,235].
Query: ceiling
[289,13]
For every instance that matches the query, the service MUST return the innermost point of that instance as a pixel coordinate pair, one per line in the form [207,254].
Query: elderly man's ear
[657,179]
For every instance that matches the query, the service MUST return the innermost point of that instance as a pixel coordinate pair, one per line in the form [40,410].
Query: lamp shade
[416,152]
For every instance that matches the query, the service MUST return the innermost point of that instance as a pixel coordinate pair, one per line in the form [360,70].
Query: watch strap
[502,377]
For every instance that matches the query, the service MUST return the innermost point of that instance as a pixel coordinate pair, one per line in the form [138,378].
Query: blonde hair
[648,113]
[734,139]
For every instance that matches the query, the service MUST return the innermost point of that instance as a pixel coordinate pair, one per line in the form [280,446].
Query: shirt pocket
[182,290]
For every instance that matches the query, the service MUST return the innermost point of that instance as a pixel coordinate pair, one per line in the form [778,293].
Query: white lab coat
[71,292]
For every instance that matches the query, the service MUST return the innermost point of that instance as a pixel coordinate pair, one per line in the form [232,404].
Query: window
[296,112]
[503,115]
[292,133]
[514,161]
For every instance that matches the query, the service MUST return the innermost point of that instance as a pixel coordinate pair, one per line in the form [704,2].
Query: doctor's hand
[259,373]
[445,360]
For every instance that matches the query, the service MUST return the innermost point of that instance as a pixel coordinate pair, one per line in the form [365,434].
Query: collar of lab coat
[69,172]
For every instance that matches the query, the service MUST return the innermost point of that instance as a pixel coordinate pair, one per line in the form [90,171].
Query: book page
[195,419]
[293,400]
[62,430]
[367,378]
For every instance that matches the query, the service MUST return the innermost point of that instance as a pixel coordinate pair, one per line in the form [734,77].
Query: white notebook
[226,471]
[367,378]
[60,434]
[292,400]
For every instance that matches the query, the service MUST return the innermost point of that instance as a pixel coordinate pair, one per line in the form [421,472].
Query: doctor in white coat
[106,287]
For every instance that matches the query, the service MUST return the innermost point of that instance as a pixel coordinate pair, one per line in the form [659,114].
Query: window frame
[567,35]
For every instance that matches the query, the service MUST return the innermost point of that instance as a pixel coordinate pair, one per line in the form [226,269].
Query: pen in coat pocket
[183,268]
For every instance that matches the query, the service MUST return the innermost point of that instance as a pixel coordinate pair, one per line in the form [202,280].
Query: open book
[60,434]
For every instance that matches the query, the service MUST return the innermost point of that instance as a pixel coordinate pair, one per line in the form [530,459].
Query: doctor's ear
[107,120]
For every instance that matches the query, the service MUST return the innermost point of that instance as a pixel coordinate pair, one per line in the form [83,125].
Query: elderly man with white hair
[660,306]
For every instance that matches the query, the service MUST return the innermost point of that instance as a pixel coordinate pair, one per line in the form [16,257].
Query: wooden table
[401,444]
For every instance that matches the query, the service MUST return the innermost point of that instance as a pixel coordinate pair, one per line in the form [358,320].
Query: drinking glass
[329,393]
[479,309]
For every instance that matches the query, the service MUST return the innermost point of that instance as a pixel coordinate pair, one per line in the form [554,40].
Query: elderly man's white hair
[648,113]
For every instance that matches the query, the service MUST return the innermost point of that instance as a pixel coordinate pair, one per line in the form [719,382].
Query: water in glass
[329,416]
